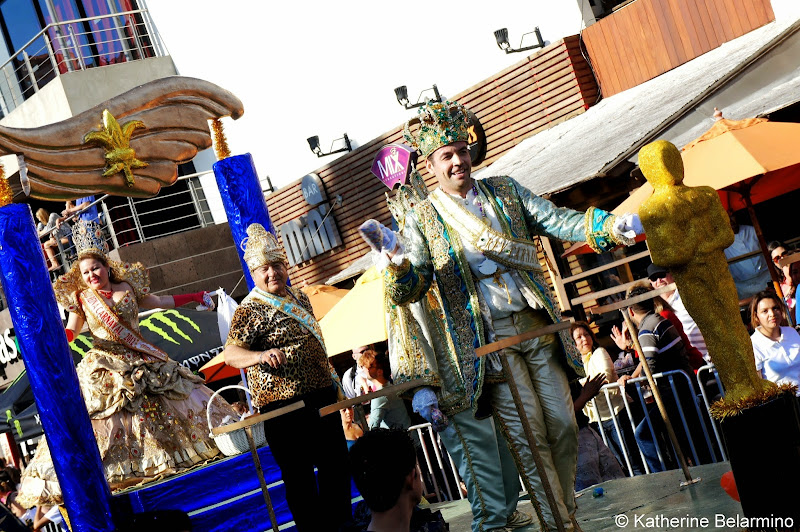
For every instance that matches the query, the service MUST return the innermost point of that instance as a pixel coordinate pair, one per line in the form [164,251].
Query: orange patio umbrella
[216,369]
[746,161]
[359,318]
[323,297]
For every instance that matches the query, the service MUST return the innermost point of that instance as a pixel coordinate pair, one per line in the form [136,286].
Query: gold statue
[687,230]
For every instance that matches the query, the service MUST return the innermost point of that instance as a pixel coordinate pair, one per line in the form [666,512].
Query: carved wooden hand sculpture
[130,145]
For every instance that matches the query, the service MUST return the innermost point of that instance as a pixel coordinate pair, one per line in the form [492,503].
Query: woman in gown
[148,412]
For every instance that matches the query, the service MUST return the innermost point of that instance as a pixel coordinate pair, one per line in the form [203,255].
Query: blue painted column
[244,201]
[45,351]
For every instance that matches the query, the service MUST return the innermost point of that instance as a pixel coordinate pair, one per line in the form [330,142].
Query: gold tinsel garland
[220,142]
[726,408]
[6,194]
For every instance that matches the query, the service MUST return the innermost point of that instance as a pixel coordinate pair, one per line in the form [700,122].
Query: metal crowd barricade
[712,370]
[640,393]
[438,451]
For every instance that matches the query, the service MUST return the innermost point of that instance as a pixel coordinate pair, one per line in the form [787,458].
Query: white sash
[511,252]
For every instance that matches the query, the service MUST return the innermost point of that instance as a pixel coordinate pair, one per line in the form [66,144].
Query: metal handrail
[66,50]
[139,229]
[73,21]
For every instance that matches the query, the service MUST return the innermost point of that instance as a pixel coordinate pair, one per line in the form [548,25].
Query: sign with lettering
[8,348]
[313,191]
[477,139]
[393,164]
[310,235]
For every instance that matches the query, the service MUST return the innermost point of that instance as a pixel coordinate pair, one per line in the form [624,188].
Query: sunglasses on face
[655,277]
[777,258]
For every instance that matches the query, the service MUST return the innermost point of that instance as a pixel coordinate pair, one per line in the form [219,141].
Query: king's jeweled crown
[261,247]
[89,240]
[440,124]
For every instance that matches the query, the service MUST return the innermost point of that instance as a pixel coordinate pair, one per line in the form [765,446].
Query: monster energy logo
[150,324]
[82,343]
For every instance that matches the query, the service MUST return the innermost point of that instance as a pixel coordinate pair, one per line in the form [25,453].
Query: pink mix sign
[393,163]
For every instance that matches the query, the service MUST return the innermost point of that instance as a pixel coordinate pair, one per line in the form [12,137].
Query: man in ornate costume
[473,242]
[147,411]
[275,336]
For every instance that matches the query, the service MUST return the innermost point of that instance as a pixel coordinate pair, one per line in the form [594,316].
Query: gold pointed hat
[261,247]
[440,124]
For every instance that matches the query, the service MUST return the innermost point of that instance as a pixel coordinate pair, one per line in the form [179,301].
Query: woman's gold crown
[89,240]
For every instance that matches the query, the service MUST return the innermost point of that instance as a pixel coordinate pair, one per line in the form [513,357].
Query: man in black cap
[659,277]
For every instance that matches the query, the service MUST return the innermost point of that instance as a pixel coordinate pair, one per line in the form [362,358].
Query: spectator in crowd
[776,347]
[355,379]
[389,411]
[47,222]
[49,514]
[596,462]
[352,430]
[665,310]
[25,515]
[663,351]
[750,275]
[7,487]
[794,277]
[777,251]
[88,212]
[659,277]
[385,469]
[596,362]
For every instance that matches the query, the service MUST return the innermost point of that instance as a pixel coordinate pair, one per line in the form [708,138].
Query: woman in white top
[596,360]
[775,346]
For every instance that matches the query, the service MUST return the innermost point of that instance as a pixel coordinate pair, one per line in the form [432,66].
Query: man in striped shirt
[659,277]
[664,350]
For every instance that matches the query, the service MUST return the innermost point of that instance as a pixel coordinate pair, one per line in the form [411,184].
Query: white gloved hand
[378,236]
[628,226]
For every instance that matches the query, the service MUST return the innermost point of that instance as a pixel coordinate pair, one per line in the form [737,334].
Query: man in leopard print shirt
[275,336]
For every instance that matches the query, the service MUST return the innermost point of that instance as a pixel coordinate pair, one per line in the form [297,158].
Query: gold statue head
[661,164]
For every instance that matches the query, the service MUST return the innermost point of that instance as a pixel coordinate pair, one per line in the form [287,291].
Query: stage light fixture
[401,93]
[313,143]
[501,36]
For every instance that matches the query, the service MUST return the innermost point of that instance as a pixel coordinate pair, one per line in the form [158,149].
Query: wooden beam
[388,390]
[519,338]
[555,274]
[638,299]
[604,267]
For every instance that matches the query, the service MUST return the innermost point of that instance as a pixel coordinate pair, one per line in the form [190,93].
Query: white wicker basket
[234,442]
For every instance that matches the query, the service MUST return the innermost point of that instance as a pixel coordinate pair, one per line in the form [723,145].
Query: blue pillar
[244,202]
[44,348]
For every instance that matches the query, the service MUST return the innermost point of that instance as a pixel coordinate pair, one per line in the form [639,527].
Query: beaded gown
[148,415]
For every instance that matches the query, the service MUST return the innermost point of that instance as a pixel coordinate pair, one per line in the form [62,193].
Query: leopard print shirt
[258,327]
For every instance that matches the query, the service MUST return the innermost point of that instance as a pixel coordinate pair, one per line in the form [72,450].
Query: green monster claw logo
[82,343]
[149,323]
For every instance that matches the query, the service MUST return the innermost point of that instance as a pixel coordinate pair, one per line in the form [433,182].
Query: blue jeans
[645,441]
